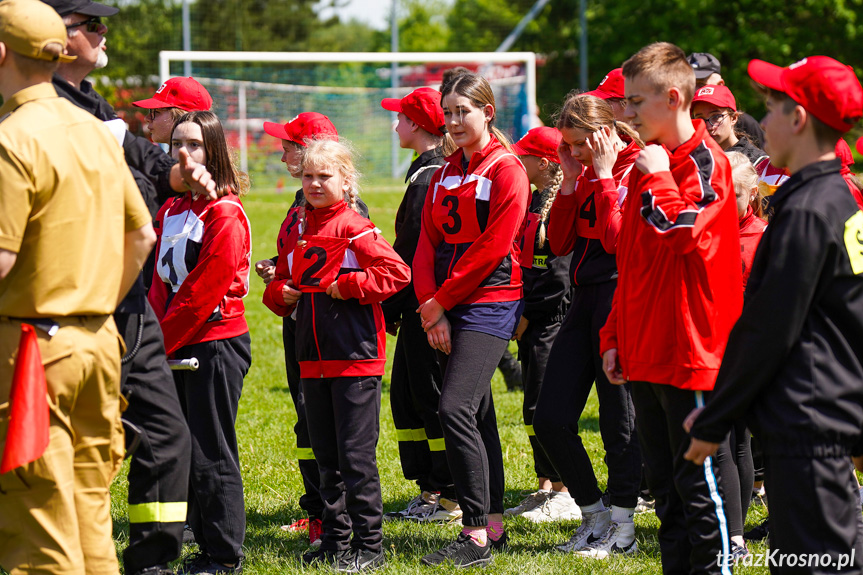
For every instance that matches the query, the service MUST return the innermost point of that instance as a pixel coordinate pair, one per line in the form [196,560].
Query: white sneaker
[619,538]
[529,503]
[444,511]
[645,505]
[419,505]
[593,527]
[558,506]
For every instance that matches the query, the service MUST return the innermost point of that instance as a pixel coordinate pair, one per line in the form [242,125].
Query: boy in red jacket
[677,298]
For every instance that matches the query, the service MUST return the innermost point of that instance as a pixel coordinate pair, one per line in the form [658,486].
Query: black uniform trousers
[534,347]
[415,386]
[210,398]
[815,509]
[344,424]
[693,529]
[738,474]
[310,500]
[574,365]
[470,425]
[159,470]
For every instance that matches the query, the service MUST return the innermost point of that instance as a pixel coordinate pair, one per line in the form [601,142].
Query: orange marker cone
[28,434]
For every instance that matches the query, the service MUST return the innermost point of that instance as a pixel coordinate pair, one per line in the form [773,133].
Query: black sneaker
[324,557]
[360,560]
[463,552]
[500,544]
[758,532]
[155,570]
[203,564]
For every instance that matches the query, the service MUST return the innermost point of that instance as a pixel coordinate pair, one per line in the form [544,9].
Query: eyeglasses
[155,112]
[93,24]
[715,120]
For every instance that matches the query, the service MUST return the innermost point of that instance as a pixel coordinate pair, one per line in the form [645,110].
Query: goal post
[249,88]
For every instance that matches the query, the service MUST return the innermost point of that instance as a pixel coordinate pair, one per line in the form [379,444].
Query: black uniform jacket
[141,154]
[794,361]
[547,291]
[408,223]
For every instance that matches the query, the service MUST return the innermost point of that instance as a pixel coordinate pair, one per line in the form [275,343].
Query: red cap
[610,87]
[305,126]
[716,95]
[859,146]
[184,93]
[421,106]
[826,88]
[541,142]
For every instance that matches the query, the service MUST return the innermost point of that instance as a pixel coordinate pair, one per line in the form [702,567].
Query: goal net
[249,88]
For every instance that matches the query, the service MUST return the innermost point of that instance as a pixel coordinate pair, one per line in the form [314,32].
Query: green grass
[272,478]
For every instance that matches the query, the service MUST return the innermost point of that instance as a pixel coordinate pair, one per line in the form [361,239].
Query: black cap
[704,64]
[85,7]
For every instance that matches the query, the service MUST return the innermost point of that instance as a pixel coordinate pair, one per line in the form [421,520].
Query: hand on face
[604,153]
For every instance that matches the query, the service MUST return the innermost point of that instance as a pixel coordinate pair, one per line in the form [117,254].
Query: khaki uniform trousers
[55,513]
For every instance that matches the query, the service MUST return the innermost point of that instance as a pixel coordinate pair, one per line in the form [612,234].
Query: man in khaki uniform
[63,268]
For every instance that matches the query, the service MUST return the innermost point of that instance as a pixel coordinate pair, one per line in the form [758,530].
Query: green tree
[138,33]
[423,26]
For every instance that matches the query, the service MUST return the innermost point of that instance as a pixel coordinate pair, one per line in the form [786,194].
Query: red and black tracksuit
[794,365]
[341,350]
[678,296]
[468,260]
[416,379]
[546,300]
[203,258]
[586,224]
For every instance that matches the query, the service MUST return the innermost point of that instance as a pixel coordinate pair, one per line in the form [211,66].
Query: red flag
[28,434]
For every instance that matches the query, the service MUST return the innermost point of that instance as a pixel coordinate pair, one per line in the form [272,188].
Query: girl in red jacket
[546,299]
[333,271]
[203,256]
[468,282]
[597,156]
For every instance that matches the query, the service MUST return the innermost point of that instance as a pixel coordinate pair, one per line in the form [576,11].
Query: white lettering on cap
[162,87]
[603,80]
[797,64]
[705,91]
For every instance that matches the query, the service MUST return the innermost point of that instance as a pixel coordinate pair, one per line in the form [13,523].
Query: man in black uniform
[794,361]
[156,431]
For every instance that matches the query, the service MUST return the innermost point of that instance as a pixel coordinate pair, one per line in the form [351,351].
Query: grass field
[272,479]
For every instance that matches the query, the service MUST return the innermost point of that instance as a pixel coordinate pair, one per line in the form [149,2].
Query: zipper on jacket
[315,333]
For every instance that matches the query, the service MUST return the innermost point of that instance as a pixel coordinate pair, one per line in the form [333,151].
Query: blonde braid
[556,179]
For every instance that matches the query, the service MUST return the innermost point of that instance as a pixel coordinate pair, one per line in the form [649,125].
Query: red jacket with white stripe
[340,338]
[203,258]
[485,269]
[678,294]
[751,229]
[587,222]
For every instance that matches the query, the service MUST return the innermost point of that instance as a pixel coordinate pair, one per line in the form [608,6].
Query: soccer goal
[249,88]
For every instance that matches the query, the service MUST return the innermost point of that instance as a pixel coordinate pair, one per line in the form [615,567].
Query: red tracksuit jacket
[203,258]
[751,229]
[471,223]
[593,210]
[337,338]
[678,294]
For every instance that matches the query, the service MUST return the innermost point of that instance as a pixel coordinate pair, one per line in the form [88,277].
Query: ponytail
[553,189]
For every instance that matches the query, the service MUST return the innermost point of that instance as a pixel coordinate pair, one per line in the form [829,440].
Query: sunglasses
[93,24]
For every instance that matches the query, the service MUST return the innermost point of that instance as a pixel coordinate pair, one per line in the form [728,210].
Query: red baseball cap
[305,126]
[541,142]
[716,95]
[421,106]
[859,146]
[610,87]
[184,93]
[826,88]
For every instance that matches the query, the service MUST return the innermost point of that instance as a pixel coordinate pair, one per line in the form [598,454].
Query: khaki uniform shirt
[66,200]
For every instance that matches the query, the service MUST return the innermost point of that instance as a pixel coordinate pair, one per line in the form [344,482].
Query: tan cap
[28,26]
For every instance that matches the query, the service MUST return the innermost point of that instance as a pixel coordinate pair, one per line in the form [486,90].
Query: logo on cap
[705,91]
[798,64]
